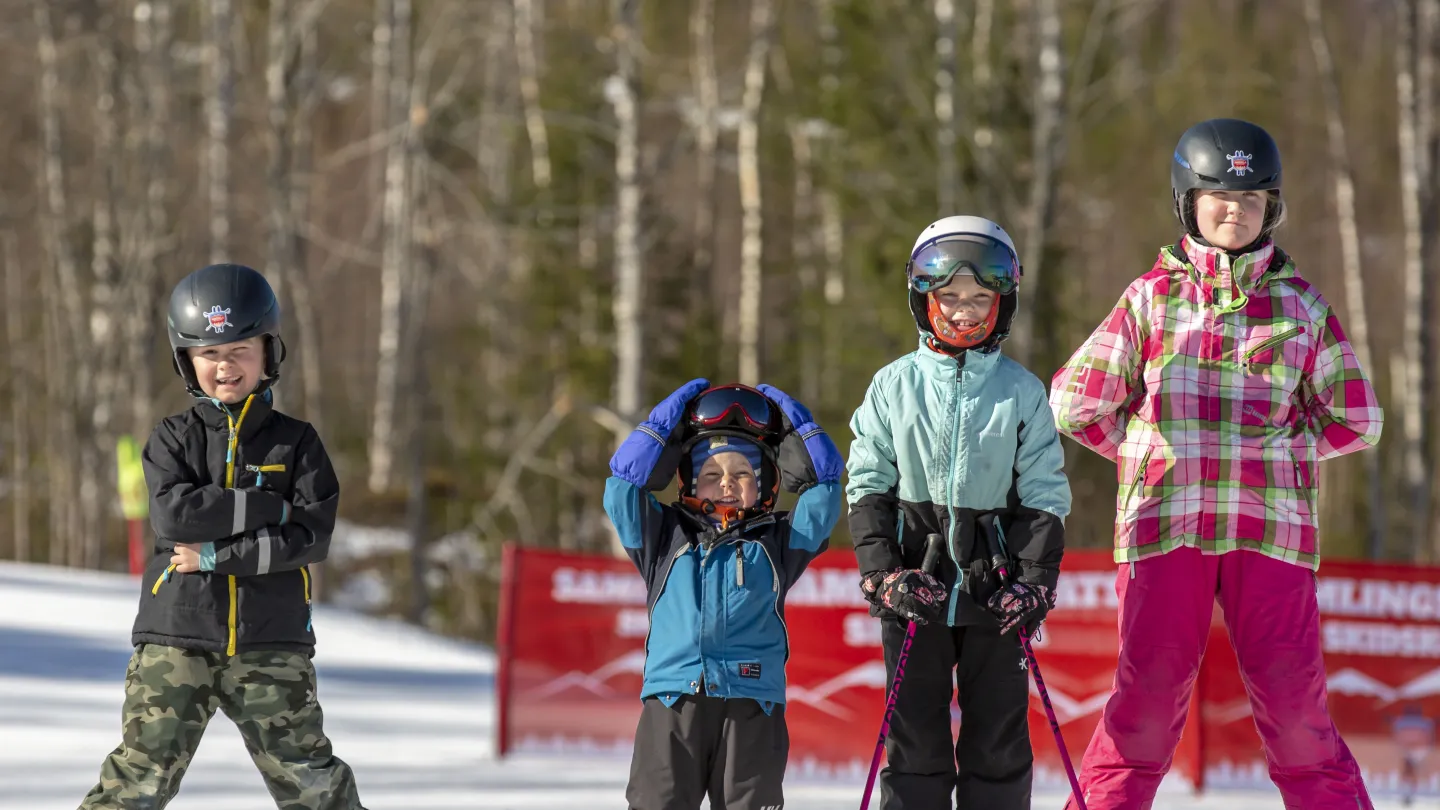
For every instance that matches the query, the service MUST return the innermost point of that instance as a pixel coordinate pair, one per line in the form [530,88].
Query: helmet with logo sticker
[221,304]
[1225,154]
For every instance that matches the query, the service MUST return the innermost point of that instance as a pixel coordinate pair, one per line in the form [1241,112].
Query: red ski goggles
[991,262]
[737,406]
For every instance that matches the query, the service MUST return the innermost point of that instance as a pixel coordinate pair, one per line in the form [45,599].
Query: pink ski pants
[1273,618]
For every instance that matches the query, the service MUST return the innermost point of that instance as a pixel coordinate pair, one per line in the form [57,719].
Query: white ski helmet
[986,252]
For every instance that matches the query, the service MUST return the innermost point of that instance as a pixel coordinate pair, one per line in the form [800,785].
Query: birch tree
[622,91]
[1409,375]
[707,138]
[15,322]
[751,244]
[982,91]
[307,92]
[104,348]
[219,109]
[153,40]
[69,394]
[948,167]
[529,64]
[395,260]
[1044,160]
[1344,182]
[492,155]
[281,220]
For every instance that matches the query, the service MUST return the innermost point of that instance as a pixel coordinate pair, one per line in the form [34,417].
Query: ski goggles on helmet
[737,406]
[992,263]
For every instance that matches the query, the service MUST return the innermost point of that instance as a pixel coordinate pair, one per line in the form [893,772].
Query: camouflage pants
[171,694]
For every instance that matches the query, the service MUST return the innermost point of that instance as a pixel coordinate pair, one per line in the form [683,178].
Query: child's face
[231,371]
[964,303]
[728,479]
[1230,220]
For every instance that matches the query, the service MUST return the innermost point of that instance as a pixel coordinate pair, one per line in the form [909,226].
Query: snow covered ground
[412,712]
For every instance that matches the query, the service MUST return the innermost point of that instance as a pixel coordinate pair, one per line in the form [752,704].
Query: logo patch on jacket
[749,670]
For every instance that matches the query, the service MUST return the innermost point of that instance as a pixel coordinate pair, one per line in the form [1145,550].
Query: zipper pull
[739,568]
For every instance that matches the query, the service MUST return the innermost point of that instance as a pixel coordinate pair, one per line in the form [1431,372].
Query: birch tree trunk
[804,239]
[281,237]
[751,244]
[1356,321]
[982,80]
[492,238]
[396,256]
[1411,163]
[529,64]
[1044,161]
[306,331]
[1422,287]
[622,91]
[19,400]
[104,348]
[69,395]
[707,137]
[831,233]
[219,107]
[948,167]
[153,39]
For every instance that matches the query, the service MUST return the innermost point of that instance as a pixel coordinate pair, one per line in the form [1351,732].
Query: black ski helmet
[734,411]
[1225,154]
[221,304]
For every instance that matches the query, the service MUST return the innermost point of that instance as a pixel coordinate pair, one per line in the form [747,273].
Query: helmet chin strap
[727,515]
[946,334]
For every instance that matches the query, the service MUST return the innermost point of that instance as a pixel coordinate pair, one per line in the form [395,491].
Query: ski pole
[933,544]
[999,562]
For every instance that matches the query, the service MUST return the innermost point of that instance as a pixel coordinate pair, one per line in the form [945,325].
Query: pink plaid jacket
[1217,385]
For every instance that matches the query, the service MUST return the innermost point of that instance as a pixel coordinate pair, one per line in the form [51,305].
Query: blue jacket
[958,447]
[717,598]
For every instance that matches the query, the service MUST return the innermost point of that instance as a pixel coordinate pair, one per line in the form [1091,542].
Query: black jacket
[258,596]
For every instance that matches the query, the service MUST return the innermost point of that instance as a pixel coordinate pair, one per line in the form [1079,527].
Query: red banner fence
[572,646]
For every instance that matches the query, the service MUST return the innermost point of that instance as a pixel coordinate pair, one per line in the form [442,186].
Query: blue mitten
[639,458]
[807,455]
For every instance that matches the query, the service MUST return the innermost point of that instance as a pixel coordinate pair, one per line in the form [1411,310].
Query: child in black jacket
[242,498]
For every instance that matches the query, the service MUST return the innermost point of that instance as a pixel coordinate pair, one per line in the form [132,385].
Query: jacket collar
[217,416]
[1227,280]
[948,367]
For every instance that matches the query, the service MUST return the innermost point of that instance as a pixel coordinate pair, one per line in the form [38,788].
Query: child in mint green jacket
[956,439]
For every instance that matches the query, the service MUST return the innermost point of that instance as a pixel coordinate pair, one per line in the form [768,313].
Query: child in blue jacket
[717,565]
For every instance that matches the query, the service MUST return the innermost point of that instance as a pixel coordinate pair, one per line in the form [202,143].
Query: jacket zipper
[1139,477]
[950,493]
[261,469]
[1302,483]
[309,609]
[232,451]
[1270,342]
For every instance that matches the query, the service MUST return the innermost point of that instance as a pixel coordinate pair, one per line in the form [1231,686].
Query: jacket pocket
[1137,478]
[274,473]
[1263,353]
[1303,482]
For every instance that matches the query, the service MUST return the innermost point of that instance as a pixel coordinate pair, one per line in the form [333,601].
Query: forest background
[502,229]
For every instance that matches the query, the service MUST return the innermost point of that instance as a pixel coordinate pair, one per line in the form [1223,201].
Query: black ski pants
[990,766]
[730,749]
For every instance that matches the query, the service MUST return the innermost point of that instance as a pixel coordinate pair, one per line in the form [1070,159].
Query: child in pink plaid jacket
[1217,384]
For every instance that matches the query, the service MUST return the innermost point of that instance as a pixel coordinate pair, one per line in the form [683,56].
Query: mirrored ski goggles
[992,263]
[732,406]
